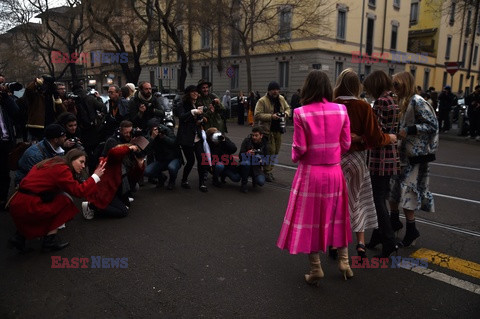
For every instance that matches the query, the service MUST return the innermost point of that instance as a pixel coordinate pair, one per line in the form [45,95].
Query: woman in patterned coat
[363,124]
[419,142]
[317,213]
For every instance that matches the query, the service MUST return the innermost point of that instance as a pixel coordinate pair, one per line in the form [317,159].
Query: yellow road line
[443,260]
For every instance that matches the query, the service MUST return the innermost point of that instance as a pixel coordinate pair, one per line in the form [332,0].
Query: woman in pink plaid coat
[317,215]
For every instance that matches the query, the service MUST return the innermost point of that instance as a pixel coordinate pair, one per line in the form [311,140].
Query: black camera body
[283,122]
[12,86]
[70,95]
[137,132]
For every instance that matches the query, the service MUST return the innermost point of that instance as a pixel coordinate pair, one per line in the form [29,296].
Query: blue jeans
[156,168]
[220,170]
[246,170]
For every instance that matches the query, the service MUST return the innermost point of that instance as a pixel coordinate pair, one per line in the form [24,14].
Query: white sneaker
[87,212]
[131,199]
[61,226]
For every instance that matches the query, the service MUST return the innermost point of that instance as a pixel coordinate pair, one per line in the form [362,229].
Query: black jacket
[10,112]
[154,109]
[223,150]
[187,127]
[165,148]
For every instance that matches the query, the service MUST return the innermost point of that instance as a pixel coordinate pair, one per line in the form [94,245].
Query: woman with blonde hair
[365,134]
[419,141]
[317,212]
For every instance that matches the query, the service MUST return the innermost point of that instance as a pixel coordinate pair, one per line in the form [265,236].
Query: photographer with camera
[190,136]
[166,151]
[68,100]
[9,112]
[213,109]
[254,148]
[69,122]
[144,106]
[221,151]
[113,116]
[271,113]
[42,101]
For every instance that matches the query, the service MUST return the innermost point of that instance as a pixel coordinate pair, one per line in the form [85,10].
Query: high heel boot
[411,234]
[316,271]
[395,221]
[343,264]
[53,243]
[375,239]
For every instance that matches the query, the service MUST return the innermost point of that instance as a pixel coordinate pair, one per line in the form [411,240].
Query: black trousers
[381,188]
[5,148]
[191,153]
[116,208]
[444,119]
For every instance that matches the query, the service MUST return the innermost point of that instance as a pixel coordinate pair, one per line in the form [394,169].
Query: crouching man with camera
[167,154]
[222,150]
[253,156]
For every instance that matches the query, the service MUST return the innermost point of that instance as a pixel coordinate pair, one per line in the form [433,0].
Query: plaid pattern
[384,160]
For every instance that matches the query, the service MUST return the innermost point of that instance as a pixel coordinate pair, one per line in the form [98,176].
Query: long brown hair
[348,84]
[71,156]
[316,88]
[376,83]
[404,86]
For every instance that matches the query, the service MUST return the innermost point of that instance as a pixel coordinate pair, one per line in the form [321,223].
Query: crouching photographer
[253,152]
[69,122]
[222,150]
[166,152]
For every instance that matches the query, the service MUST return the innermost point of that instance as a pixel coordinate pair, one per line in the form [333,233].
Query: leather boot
[411,234]
[395,221]
[375,239]
[52,243]
[343,264]
[316,271]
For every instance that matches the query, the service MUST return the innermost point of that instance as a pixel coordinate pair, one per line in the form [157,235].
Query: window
[284,70]
[285,23]
[152,77]
[341,24]
[396,4]
[151,49]
[205,38]
[472,81]
[235,46]
[206,73]
[464,54]
[393,39]
[426,78]
[338,69]
[414,12]
[413,71]
[449,45]
[444,81]
[475,54]
[234,80]
[460,84]
[369,43]
[452,13]
[180,38]
[478,25]
[372,3]
[468,27]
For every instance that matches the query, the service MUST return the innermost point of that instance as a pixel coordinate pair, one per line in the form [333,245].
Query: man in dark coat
[446,100]
[144,106]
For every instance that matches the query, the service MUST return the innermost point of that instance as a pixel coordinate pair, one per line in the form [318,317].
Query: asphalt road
[213,255]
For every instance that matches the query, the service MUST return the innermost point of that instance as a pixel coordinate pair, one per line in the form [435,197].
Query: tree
[126,25]
[269,22]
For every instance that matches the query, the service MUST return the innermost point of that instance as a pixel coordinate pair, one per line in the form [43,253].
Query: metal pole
[159,54]
[361,38]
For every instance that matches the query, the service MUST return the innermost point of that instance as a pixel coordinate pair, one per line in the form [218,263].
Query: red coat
[31,215]
[112,177]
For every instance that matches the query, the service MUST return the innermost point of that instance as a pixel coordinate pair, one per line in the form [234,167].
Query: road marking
[443,260]
[445,226]
[455,166]
[462,284]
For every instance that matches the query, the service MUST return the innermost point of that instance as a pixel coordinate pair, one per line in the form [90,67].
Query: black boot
[411,234]
[375,239]
[17,241]
[388,249]
[52,242]
[395,221]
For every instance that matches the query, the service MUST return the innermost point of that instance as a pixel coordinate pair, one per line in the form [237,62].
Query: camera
[168,120]
[283,122]
[74,140]
[162,129]
[70,95]
[137,132]
[12,86]
[218,137]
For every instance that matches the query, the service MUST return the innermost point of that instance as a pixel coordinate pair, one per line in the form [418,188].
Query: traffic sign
[452,67]
[230,72]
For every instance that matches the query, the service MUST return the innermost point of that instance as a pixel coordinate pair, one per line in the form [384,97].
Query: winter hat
[190,88]
[131,86]
[273,86]
[54,131]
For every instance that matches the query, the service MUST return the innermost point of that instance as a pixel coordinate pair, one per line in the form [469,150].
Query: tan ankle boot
[316,272]
[343,264]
